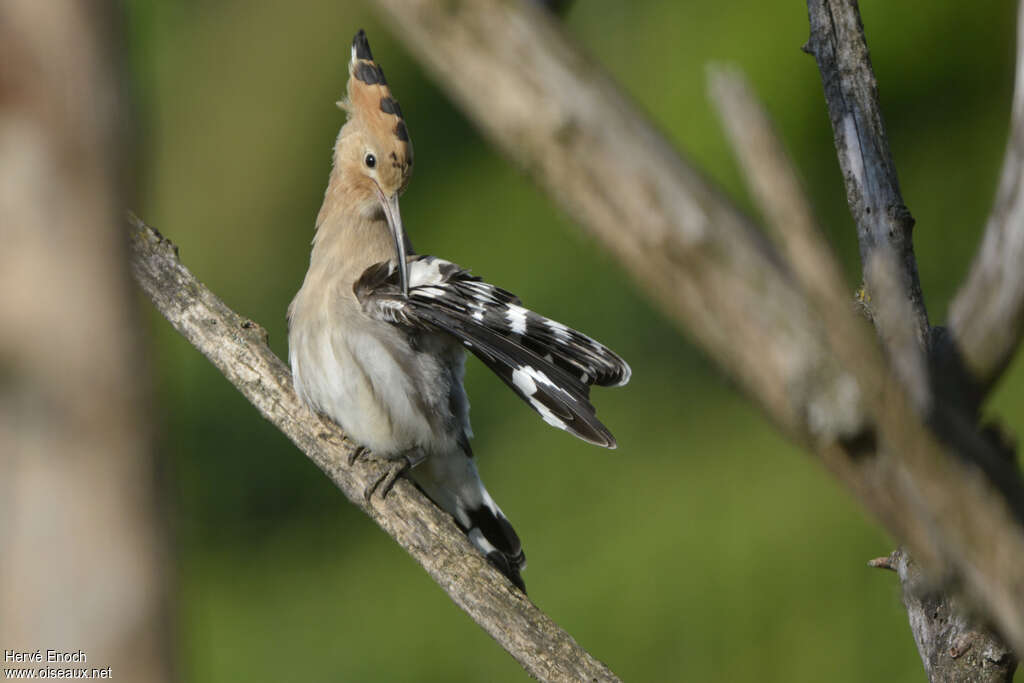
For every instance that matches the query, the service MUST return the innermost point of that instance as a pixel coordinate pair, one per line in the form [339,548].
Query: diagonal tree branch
[783,202]
[552,110]
[237,347]
[558,114]
[987,314]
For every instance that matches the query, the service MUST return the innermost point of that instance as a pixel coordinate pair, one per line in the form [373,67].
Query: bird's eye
[370,160]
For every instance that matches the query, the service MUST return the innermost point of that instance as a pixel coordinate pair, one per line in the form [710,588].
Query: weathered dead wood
[952,646]
[884,224]
[238,348]
[551,109]
[937,620]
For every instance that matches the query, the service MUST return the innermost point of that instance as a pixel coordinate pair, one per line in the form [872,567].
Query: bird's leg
[396,468]
[356,453]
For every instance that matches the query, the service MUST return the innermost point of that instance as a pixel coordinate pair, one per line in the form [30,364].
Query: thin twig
[884,562]
[884,224]
[777,189]
[987,314]
[237,346]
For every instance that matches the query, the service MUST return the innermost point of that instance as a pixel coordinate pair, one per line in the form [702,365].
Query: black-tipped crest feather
[362,46]
[371,102]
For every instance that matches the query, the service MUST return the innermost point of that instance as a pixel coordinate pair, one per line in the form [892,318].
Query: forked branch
[952,646]
[939,624]
[523,82]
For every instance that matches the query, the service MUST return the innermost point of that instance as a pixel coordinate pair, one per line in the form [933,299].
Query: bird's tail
[452,481]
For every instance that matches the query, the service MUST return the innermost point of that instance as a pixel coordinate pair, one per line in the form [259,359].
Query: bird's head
[373,149]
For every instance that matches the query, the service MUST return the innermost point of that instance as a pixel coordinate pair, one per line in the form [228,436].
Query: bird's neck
[351,233]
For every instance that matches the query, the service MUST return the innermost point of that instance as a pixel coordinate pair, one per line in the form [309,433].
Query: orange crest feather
[370,101]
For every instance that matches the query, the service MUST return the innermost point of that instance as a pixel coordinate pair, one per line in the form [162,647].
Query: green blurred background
[706,547]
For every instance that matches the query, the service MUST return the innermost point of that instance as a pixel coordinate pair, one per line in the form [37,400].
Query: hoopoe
[377,334]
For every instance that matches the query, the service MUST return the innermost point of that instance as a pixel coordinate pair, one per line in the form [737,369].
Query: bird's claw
[396,468]
[356,453]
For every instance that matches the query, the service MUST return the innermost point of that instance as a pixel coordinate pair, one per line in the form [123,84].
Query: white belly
[387,396]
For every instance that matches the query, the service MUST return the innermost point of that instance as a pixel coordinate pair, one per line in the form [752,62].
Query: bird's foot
[357,452]
[396,468]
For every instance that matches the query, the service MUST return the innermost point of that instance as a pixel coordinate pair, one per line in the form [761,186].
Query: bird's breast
[390,389]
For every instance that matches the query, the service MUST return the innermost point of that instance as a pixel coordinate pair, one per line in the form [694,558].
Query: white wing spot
[547,415]
[527,376]
[560,331]
[431,292]
[523,381]
[425,272]
[516,316]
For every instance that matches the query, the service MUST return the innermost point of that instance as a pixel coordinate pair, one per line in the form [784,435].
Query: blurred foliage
[706,547]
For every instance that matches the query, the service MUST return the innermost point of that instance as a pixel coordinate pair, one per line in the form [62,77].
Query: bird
[378,335]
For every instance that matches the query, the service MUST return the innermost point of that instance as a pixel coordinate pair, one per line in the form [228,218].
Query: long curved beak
[390,205]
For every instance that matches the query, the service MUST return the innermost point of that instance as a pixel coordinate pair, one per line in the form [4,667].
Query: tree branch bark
[987,315]
[941,630]
[553,111]
[884,224]
[952,647]
[778,192]
[237,347]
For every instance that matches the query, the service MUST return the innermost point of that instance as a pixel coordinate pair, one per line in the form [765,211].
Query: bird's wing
[549,365]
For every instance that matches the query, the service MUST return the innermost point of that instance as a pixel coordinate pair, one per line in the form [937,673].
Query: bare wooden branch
[987,314]
[551,109]
[952,646]
[884,224]
[890,271]
[882,563]
[782,200]
[237,347]
[934,619]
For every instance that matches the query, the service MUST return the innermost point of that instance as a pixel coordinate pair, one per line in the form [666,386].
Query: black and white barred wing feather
[549,365]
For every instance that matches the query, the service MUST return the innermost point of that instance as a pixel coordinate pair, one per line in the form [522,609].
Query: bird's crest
[370,102]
